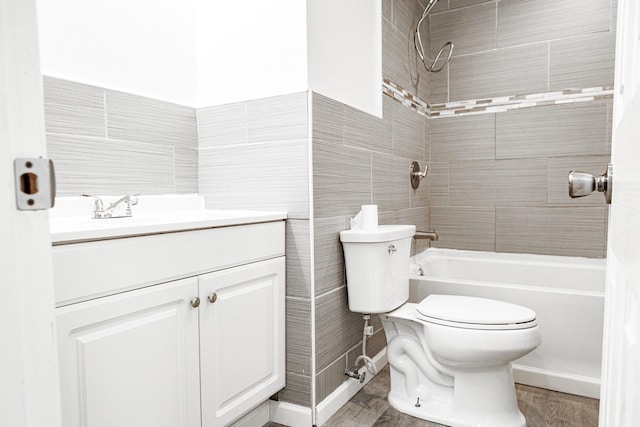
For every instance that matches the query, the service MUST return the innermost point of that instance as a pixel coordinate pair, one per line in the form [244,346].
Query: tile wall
[111,143]
[357,159]
[400,63]
[509,47]
[500,178]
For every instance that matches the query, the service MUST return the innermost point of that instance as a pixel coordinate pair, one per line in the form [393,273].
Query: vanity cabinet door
[241,339]
[131,359]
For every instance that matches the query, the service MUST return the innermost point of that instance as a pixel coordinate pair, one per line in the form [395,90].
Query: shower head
[428,7]
[417,39]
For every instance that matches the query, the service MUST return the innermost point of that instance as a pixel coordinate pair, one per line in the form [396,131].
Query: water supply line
[417,40]
[368,362]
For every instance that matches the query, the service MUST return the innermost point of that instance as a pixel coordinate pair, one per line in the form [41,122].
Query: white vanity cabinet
[131,359]
[190,332]
[241,346]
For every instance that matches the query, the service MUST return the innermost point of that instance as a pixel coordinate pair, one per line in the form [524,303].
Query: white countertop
[71,219]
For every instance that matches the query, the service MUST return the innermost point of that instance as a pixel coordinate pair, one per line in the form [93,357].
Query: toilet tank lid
[472,310]
[383,233]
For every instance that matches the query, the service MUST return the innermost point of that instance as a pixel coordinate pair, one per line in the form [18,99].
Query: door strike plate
[35,183]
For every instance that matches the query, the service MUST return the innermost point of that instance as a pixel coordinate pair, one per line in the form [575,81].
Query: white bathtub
[566,293]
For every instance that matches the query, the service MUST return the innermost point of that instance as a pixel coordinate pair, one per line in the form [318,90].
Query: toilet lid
[474,313]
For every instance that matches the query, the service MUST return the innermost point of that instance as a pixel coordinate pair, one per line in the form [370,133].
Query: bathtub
[567,294]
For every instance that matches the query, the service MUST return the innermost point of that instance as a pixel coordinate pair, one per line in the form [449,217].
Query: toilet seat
[474,313]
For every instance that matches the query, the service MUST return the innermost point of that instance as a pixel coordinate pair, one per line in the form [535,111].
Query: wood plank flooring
[542,408]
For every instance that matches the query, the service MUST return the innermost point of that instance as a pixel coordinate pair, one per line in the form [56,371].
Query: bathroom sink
[71,220]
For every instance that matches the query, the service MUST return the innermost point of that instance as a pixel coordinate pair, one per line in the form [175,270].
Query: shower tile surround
[257,154]
[501,140]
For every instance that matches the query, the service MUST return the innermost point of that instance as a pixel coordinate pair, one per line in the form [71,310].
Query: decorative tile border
[493,105]
[404,97]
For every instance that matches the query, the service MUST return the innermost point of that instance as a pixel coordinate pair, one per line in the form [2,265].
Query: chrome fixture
[415,175]
[100,212]
[417,40]
[582,184]
[428,235]
[353,373]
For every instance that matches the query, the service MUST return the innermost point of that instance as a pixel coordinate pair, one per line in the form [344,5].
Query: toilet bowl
[457,373]
[450,356]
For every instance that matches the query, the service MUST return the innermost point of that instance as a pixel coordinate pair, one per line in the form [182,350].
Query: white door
[29,394]
[131,359]
[241,339]
[620,398]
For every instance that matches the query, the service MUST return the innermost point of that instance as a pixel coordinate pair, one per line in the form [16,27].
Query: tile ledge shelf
[493,105]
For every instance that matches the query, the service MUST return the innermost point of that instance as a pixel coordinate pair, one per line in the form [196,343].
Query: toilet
[449,355]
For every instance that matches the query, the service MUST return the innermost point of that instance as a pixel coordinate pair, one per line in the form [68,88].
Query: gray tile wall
[357,159]
[512,47]
[507,191]
[108,142]
[400,62]
[499,181]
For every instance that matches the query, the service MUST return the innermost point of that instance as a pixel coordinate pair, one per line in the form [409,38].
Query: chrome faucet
[429,235]
[100,212]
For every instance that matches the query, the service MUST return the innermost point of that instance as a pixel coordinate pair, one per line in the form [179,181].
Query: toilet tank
[377,263]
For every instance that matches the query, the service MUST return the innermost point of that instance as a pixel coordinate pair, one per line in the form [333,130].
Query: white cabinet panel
[131,359]
[241,339]
[119,265]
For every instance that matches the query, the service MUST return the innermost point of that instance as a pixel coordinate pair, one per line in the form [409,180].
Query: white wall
[144,47]
[201,52]
[345,51]
[250,49]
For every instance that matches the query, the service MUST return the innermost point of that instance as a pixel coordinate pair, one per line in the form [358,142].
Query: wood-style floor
[542,408]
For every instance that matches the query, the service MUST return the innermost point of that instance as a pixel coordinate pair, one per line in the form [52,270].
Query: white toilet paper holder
[415,175]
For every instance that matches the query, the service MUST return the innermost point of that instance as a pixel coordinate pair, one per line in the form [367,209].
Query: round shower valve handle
[415,174]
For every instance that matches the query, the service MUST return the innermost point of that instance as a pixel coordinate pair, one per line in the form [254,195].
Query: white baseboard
[290,414]
[340,396]
[558,381]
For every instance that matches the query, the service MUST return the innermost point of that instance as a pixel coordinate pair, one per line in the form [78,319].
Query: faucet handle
[129,200]
[98,204]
